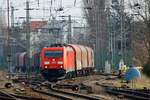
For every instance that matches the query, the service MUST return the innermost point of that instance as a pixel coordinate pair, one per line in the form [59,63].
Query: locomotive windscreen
[53,54]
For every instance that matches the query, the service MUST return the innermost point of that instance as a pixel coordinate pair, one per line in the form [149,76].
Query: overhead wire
[68,8]
[54,5]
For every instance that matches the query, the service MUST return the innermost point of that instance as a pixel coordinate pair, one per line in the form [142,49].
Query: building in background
[53,31]
[35,25]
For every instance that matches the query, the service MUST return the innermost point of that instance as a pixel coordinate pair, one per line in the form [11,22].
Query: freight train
[68,61]
[62,61]
[21,62]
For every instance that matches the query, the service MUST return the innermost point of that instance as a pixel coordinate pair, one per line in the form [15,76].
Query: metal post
[122,27]
[12,17]
[114,48]
[8,41]
[99,36]
[98,53]
[111,41]
[99,48]
[12,30]
[109,36]
[69,29]
[28,37]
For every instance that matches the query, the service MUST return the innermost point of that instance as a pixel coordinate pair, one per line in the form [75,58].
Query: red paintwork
[53,61]
[67,59]
[35,25]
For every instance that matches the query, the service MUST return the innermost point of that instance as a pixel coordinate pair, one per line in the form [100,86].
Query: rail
[129,93]
[10,96]
[64,95]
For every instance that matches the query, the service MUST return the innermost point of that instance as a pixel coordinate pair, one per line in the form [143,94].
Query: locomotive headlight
[46,62]
[45,66]
[60,62]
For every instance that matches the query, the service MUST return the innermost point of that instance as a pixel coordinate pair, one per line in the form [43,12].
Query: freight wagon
[21,62]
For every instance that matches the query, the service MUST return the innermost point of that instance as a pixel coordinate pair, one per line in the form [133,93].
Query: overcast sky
[68,5]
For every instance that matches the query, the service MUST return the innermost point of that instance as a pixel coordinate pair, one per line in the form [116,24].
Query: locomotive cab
[52,64]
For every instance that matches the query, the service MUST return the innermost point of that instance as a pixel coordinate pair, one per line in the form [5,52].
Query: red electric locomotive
[60,61]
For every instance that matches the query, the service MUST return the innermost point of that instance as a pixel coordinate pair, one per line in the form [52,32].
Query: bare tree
[141,11]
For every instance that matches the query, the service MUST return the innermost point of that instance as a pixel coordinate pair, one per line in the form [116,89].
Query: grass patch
[140,83]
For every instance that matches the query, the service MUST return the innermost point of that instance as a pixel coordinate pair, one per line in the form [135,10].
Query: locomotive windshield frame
[53,54]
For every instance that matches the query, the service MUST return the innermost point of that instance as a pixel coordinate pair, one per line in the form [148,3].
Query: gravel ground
[97,91]
[90,81]
[20,89]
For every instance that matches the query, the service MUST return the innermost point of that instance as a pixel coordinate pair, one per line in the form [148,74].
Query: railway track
[62,94]
[144,90]
[9,96]
[129,93]
[6,96]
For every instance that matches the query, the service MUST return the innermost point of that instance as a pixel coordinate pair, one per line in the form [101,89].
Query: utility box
[107,67]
